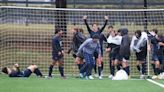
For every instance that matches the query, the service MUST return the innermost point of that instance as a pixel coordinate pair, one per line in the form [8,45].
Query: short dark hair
[110,27]
[4,70]
[57,31]
[95,36]
[155,30]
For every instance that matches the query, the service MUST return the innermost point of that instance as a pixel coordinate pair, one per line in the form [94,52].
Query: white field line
[156,83]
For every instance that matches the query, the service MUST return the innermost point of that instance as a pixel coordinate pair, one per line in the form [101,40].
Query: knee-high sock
[143,68]
[79,66]
[157,71]
[61,70]
[138,68]
[50,70]
[102,66]
[38,72]
[112,70]
[95,68]
[118,66]
[127,70]
[99,70]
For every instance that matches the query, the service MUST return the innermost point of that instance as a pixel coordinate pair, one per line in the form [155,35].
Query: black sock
[50,70]
[99,70]
[118,67]
[112,70]
[143,68]
[61,70]
[157,71]
[102,66]
[37,72]
[153,66]
[95,68]
[138,68]
[79,66]
[127,70]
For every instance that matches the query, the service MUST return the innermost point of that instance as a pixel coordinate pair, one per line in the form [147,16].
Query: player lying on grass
[88,48]
[15,71]
[114,42]
[57,53]
[77,40]
[95,30]
[139,46]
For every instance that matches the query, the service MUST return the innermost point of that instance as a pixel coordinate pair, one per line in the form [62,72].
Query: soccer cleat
[91,77]
[48,77]
[81,75]
[142,76]
[100,77]
[110,76]
[86,77]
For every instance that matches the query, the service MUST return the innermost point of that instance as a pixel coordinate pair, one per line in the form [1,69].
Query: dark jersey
[56,44]
[97,32]
[77,40]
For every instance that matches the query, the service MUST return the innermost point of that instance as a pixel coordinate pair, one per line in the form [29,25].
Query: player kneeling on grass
[15,71]
[57,53]
[88,48]
[139,46]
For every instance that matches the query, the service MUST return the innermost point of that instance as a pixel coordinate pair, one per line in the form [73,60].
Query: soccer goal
[26,33]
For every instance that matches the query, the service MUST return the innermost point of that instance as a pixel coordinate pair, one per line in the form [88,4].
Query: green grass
[34,84]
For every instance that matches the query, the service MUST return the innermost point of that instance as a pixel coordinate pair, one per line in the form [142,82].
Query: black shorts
[141,56]
[124,57]
[57,57]
[27,73]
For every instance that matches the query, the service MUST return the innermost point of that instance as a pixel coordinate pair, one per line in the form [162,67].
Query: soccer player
[15,71]
[57,53]
[114,42]
[157,51]
[88,48]
[125,50]
[139,46]
[98,31]
[77,40]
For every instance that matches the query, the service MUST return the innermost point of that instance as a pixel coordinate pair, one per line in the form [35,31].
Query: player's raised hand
[84,17]
[106,17]
[16,65]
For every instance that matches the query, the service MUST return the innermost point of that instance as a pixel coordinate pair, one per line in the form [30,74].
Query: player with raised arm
[98,31]
[15,71]
[88,48]
[139,46]
[57,53]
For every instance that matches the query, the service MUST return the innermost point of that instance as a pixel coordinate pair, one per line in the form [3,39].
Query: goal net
[26,33]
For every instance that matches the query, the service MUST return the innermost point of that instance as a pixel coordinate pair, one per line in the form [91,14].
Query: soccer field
[70,84]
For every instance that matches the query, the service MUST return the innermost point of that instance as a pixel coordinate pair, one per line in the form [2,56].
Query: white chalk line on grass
[154,82]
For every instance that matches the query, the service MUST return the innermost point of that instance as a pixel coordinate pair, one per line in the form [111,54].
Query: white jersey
[115,40]
[137,43]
